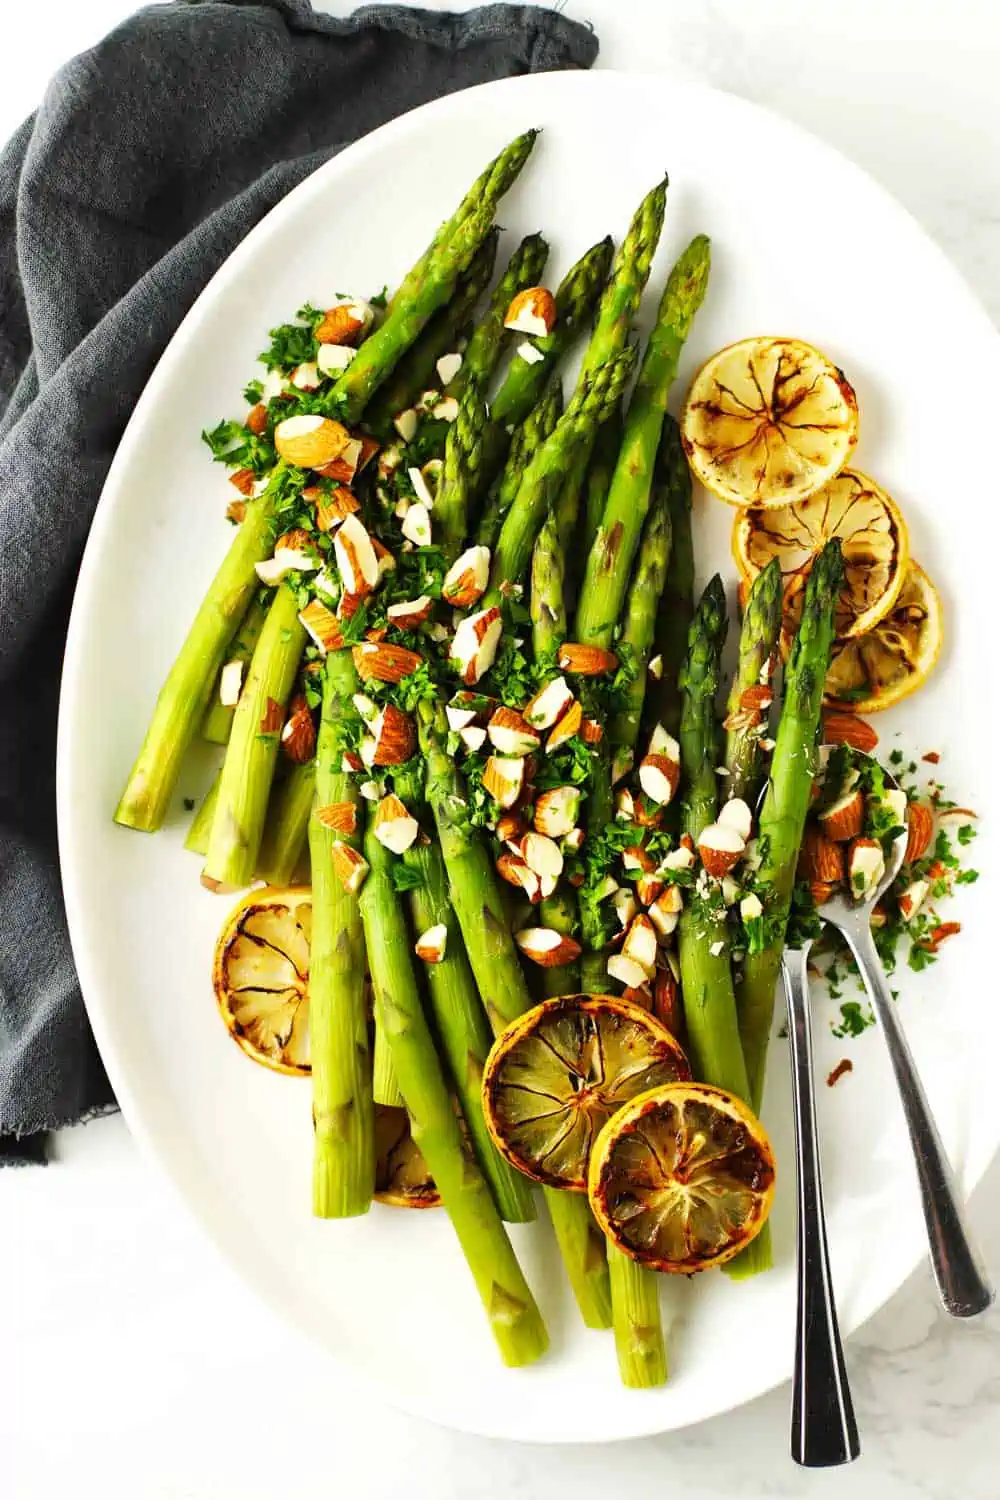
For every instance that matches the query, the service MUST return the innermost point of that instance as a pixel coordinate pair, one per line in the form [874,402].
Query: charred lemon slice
[682,1178]
[557,1073]
[768,421]
[261,976]
[872,533]
[890,661]
[401,1176]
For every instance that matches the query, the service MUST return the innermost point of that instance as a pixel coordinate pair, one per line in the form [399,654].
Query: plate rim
[648,1420]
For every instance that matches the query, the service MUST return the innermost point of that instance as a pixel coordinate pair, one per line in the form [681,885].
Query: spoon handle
[962,1283]
[824,1431]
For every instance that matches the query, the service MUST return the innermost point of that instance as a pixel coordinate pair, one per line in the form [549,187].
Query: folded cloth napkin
[150,158]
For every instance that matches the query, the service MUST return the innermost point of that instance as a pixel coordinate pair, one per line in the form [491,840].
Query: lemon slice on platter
[889,662]
[261,976]
[401,1176]
[872,533]
[557,1073]
[768,421]
[682,1178]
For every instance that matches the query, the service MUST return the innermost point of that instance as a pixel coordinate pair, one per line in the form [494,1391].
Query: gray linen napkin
[149,159]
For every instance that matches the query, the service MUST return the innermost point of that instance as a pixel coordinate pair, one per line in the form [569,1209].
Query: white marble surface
[133,1366]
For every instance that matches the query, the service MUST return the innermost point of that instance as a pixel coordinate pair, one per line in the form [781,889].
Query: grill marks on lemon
[558,1073]
[261,976]
[875,670]
[682,1178]
[768,421]
[871,531]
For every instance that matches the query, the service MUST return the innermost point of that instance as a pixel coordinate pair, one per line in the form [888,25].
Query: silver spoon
[824,1429]
[962,1284]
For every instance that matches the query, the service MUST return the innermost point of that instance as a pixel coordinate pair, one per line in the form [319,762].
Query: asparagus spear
[427,286]
[599,813]
[595,397]
[524,269]
[635,1293]
[783,815]
[218,721]
[491,184]
[252,752]
[514,1318]
[758,647]
[185,694]
[609,561]
[598,480]
[343,1113]
[461,474]
[629,274]
[547,603]
[673,620]
[524,443]
[456,1009]
[576,299]
[201,824]
[703,944]
[639,1342]
[639,619]
[418,367]
[479,907]
[388,948]
[287,826]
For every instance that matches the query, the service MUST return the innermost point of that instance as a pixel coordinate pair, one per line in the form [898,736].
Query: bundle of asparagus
[480,823]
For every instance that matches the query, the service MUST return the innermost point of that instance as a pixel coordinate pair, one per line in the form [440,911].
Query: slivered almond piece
[298,738]
[848,729]
[351,761]
[546,947]
[511,829]
[556,810]
[820,859]
[306,376]
[659,777]
[394,827]
[465,581]
[626,971]
[274,717]
[349,866]
[448,367]
[666,910]
[512,868]
[624,805]
[736,814]
[543,855]
[381,661]
[584,660]
[344,323]
[335,507]
[532,311]
[405,423]
[844,819]
[503,778]
[459,716]
[919,830]
[357,561]
[591,732]
[432,944]
[549,704]
[635,857]
[640,944]
[625,905]
[473,737]
[647,888]
[342,817]
[333,359]
[310,440]
[395,737]
[912,898]
[256,419]
[421,488]
[230,683]
[243,480]
[865,867]
[445,409]
[475,643]
[655,667]
[410,613]
[566,728]
[681,858]
[511,733]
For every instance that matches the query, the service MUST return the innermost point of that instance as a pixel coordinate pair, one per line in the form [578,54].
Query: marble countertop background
[133,1364]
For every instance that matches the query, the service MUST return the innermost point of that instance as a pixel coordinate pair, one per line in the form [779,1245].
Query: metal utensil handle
[824,1430]
[962,1283]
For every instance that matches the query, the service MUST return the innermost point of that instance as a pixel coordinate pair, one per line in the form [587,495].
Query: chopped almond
[511,733]
[410,613]
[335,507]
[820,859]
[503,778]
[256,421]
[322,625]
[848,729]
[666,910]
[865,867]
[465,581]
[640,944]
[512,868]
[919,830]
[394,827]
[626,971]
[659,777]
[350,866]
[380,661]
[584,660]
[532,311]
[720,847]
[549,704]
[432,944]
[243,480]
[298,738]
[591,732]
[546,947]
[844,819]
[556,810]
[736,814]
[395,737]
[543,855]
[475,644]
[342,817]
[647,888]
[343,324]
[357,560]
[566,728]
[310,440]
